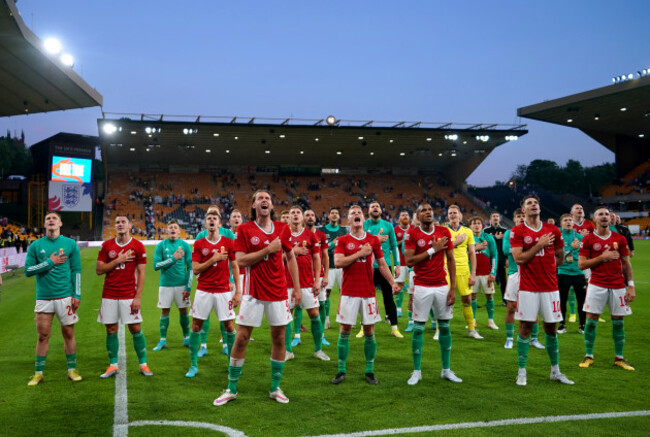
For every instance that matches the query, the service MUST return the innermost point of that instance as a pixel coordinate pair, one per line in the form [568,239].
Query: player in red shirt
[123,261]
[425,249]
[538,249]
[584,227]
[606,254]
[213,258]
[306,249]
[259,246]
[356,253]
[310,224]
[403,226]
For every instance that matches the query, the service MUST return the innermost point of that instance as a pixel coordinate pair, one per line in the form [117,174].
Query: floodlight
[52,46]
[67,60]
[330,120]
[109,128]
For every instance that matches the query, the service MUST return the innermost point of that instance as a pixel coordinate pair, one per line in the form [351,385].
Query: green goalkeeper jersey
[173,273]
[512,265]
[332,233]
[54,282]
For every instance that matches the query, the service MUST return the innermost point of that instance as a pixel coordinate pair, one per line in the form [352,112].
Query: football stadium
[327,276]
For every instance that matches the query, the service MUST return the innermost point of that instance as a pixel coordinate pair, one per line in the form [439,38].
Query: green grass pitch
[488,393]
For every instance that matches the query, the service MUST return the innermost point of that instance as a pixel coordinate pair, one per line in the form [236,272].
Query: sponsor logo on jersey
[597,247]
[528,239]
[350,246]
[421,243]
[112,254]
[255,240]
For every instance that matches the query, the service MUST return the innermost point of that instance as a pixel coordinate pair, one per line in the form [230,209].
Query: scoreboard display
[71,170]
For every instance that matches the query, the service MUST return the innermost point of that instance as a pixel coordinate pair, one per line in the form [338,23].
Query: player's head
[550,221]
[310,218]
[173,230]
[355,216]
[453,214]
[53,221]
[530,205]
[425,214]
[235,219]
[495,218]
[415,220]
[284,216]
[262,205]
[122,224]
[476,224]
[404,218]
[334,216]
[614,218]
[212,220]
[602,216]
[518,217]
[374,210]
[566,222]
[296,216]
[577,212]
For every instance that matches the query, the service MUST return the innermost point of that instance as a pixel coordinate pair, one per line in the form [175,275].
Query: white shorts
[411,288]
[598,297]
[482,283]
[114,310]
[61,307]
[531,304]
[334,276]
[307,301]
[322,296]
[401,278]
[426,298]
[587,273]
[349,308]
[252,310]
[169,295]
[205,302]
[512,289]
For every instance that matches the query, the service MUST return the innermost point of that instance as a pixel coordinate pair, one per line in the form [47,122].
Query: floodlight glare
[331,120]
[109,128]
[52,46]
[67,60]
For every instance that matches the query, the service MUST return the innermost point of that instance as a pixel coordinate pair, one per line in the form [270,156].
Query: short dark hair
[476,218]
[334,208]
[529,196]
[517,212]
[172,222]
[55,213]
[298,207]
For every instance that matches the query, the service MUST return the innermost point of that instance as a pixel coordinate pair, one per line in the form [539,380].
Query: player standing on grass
[310,224]
[306,249]
[54,259]
[584,227]
[384,231]
[213,259]
[123,260]
[203,350]
[402,227]
[356,253]
[425,249]
[332,231]
[538,249]
[173,257]
[569,275]
[498,233]
[465,256]
[486,268]
[606,254]
[259,247]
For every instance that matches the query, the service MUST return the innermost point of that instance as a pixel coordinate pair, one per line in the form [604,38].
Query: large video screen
[75,170]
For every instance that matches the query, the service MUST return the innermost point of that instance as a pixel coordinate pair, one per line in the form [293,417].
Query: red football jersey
[119,283]
[540,273]
[608,274]
[431,272]
[216,278]
[323,245]
[399,235]
[309,240]
[264,280]
[586,224]
[358,277]
[483,264]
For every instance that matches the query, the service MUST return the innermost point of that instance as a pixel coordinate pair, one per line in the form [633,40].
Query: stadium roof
[617,116]
[31,80]
[150,142]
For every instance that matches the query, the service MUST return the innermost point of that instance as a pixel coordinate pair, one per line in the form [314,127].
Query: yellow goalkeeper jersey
[460,252]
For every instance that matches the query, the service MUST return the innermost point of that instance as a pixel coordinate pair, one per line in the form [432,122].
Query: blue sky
[454,61]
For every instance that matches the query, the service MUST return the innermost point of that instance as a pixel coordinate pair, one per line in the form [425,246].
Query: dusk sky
[452,61]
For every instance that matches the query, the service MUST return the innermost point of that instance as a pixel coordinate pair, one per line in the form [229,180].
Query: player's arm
[494,254]
[102,267]
[385,272]
[451,269]
[234,268]
[630,293]
[292,265]
[326,266]
[32,266]
[158,262]
[522,256]
[315,262]
[189,274]
[471,252]
[249,259]
[559,256]
[341,261]
[506,243]
[75,276]
[198,267]
[392,240]
[140,270]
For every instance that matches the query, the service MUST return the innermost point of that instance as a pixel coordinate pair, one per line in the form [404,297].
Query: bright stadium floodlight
[67,60]
[109,128]
[452,137]
[52,46]
[330,120]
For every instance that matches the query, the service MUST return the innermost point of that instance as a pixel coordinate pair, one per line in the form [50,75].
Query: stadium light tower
[52,46]
[331,120]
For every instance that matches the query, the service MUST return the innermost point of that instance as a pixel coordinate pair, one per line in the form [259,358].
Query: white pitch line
[121,420]
[211,426]
[506,422]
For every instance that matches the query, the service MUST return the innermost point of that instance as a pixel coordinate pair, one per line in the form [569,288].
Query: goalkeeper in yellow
[465,256]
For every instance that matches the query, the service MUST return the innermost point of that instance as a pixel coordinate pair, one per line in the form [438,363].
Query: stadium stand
[635,181]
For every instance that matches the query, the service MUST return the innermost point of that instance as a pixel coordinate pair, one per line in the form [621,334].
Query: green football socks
[370,351]
[618,334]
[444,338]
[590,336]
[140,346]
[523,344]
[417,342]
[343,350]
